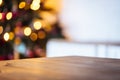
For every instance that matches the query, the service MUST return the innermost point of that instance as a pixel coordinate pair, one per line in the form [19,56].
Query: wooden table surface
[61,68]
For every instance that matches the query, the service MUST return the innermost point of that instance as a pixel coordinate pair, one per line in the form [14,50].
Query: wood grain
[61,68]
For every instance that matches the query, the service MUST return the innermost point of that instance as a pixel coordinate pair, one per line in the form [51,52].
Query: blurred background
[54,28]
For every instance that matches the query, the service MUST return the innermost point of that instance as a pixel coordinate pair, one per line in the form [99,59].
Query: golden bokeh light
[1,1]
[1,29]
[6,36]
[1,16]
[9,15]
[11,34]
[34,6]
[22,5]
[33,36]
[37,25]
[41,34]
[27,31]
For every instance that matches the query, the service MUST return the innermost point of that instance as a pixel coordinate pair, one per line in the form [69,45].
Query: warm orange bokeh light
[22,5]
[1,16]
[11,36]
[41,34]
[1,29]
[33,36]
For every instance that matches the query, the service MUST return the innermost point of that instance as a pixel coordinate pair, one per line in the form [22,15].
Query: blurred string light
[6,36]
[11,36]
[22,5]
[33,36]
[1,16]
[9,15]
[35,5]
[1,29]
[41,35]
[27,31]
[37,25]
[1,1]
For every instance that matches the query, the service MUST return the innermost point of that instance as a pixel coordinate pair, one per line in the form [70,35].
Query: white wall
[91,20]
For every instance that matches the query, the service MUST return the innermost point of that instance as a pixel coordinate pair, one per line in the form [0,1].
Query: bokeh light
[35,5]
[1,16]
[41,34]
[37,25]
[22,5]
[1,29]
[6,36]
[9,15]
[1,1]
[27,31]
[33,36]
[11,34]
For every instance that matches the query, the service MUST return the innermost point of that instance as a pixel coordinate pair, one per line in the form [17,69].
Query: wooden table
[62,68]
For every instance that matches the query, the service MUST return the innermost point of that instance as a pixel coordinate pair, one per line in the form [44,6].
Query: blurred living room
[56,28]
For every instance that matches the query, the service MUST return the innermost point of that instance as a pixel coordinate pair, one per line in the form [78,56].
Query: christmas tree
[25,28]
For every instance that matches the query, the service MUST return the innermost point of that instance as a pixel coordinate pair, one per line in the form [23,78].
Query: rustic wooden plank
[61,68]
